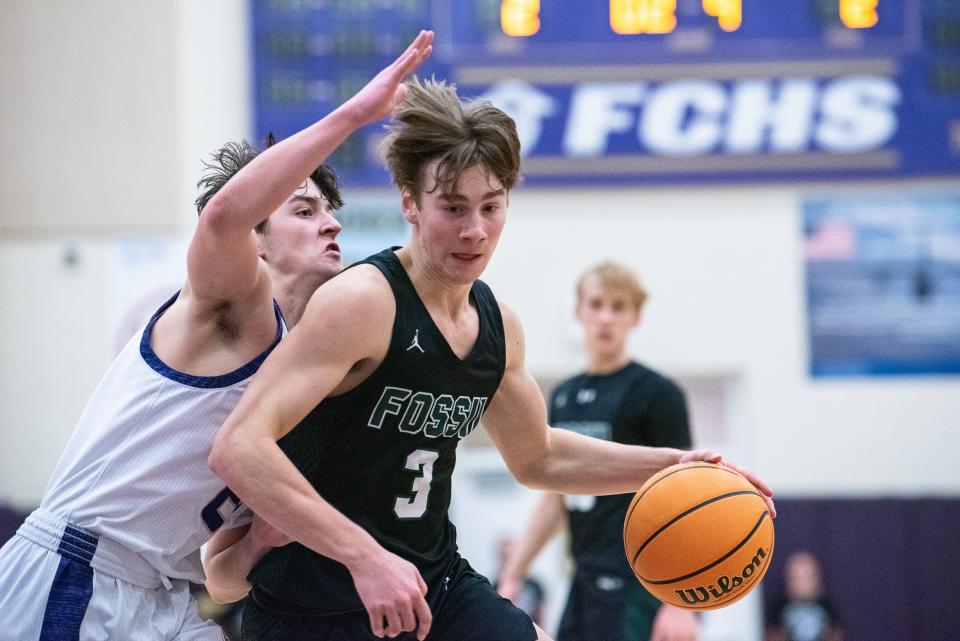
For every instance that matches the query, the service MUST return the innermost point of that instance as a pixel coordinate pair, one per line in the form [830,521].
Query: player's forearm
[264,184]
[546,519]
[258,472]
[226,570]
[577,464]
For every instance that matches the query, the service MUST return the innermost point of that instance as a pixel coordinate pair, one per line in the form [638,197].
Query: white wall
[87,121]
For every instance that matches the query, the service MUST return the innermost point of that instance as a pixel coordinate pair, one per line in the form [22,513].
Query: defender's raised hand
[386,90]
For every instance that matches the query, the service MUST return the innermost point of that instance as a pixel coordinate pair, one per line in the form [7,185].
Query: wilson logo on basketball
[724,585]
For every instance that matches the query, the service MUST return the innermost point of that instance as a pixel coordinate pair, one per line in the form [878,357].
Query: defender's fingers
[411,50]
[411,62]
[415,48]
[425,54]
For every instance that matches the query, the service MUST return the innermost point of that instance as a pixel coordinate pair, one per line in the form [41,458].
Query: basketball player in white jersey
[111,550]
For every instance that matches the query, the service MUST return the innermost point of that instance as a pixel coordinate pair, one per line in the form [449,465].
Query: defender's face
[301,236]
[458,231]
[607,316]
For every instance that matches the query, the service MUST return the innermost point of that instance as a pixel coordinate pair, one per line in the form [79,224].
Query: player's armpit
[516,418]
[516,421]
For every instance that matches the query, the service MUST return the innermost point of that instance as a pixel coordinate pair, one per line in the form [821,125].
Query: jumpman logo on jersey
[416,342]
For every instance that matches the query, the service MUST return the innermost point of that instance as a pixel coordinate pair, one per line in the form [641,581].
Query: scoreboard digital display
[640,27]
[644,91]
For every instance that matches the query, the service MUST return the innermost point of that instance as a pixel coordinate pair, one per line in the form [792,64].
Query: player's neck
[293,294]
[599,364]
[436,292]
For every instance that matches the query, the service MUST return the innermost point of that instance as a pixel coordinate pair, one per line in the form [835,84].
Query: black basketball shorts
[603,607]
[465,607]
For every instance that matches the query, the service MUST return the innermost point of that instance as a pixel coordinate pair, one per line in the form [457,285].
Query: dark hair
[433,123]
[234,156]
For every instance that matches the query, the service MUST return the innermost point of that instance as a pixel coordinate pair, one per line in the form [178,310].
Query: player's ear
[408,204]
[261,254]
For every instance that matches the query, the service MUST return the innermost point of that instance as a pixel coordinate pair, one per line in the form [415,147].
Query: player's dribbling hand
[386,90]
[765,492]
[701,455]
[393,593]
[712,457]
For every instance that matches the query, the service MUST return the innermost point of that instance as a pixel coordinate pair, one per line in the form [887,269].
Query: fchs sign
[683,118]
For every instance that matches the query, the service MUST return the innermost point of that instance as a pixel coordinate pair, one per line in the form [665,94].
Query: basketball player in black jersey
[347,439]
[620,400]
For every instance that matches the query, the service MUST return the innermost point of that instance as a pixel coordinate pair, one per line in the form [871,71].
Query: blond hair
[615,277]
[433,123]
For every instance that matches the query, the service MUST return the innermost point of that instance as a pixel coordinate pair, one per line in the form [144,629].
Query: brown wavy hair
[434,123]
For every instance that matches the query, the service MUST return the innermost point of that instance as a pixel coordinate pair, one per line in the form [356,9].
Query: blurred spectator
[531,595]
[804,613]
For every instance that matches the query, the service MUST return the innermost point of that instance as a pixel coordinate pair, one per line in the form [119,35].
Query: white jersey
[135,470]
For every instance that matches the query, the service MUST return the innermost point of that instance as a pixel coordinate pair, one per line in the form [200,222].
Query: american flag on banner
[831,239]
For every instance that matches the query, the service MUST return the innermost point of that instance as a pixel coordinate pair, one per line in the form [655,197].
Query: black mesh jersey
[383,453]
[634,405]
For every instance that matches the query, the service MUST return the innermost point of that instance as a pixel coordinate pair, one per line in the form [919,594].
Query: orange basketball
[698,536]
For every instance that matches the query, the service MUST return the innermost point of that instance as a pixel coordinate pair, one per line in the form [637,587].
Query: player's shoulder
[359,283]
[512,327]
[511,320]
[513,337]
[651,380]
[357,296]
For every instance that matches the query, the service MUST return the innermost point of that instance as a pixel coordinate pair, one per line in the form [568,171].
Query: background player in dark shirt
[619,400]
[393,363]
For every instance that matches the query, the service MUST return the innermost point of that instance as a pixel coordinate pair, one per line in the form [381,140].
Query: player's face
[803,576]
[458,231]
[607,316]
[301,236]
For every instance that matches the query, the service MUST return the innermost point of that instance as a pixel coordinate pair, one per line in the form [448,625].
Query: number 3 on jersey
[414,506]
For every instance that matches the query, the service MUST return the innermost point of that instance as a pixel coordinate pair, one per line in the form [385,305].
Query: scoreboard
[637,29]
[644,91]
